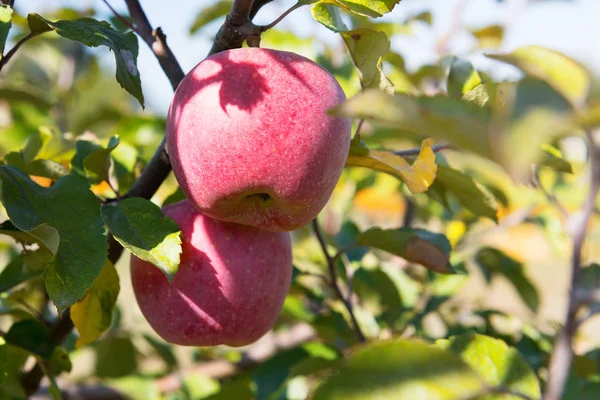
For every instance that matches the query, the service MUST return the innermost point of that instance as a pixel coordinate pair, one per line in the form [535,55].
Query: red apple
[250,141]
[229,289]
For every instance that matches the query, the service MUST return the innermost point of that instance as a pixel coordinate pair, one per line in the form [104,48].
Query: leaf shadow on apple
[229,289]
[250,140]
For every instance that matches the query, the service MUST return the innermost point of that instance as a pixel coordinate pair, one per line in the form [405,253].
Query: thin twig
[121,18]
[334,282]
[562,355]
[552,199]
[281,17]
[415,152]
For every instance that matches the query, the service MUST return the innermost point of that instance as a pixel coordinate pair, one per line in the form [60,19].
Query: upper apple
[250,140]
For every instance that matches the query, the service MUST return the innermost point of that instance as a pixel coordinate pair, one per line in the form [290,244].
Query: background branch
[562,355]
[334,283]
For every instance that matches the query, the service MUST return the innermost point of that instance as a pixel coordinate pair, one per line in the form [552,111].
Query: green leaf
[565,75]
[163,350]
[32,336]
[431,250]
[553,158]
[137,387]
[401,370]
[92,315]
[210,13]
[174,197]
[5,23]
[369,8]
[38,24]
[497,263]
[367,48]
[24,267]
[270,375]
[78,245]
[34,145]
[462,78]
[93,33]
[329,16]
[59,362]
[116,357]
[469,193]
[141,227]
[495,362]
[97,163]
[461,123]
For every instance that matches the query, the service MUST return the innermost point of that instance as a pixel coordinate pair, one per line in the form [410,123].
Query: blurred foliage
[450,256]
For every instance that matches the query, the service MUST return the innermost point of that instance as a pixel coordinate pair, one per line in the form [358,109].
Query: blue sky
[570,27]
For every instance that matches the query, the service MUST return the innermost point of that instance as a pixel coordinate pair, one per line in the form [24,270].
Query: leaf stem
[16,47]
[334,283]
[281,17]
[562,355]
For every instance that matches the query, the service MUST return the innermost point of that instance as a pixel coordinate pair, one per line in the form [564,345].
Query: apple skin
[250,141]
[229,289]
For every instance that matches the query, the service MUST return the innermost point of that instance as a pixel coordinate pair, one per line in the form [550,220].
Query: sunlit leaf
[210,13]
[401,370]
[367,48]
[92,315]
[25,266]
[97,163]
[418,176]
[458,122]
[432,250]
[565,75]
[329,16]
[462,78]
[78,244]
[370,8]
[496,363]
[553,158]
[141,227]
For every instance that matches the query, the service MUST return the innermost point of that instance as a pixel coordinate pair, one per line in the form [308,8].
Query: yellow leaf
[92,315]
[418,177]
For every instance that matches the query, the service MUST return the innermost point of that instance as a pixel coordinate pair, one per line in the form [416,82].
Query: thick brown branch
[237,27]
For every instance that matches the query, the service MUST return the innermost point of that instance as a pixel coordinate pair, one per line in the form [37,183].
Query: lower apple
[229,289]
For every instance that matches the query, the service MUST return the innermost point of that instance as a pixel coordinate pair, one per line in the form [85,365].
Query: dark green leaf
[32,336]
[25,266]
[163,350]
[239,388]
[210,13]
[5,23]
[115,357]
[78,244]
[329,16]
[553,158]
[37,24]
[347,237]
[83,148]
[93,33]
[3,360]
[141,227]
[495,362]
[401,370]
[462,78]
[174,197]
[432,250]
[272,374]
[471,195]
[498,263]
